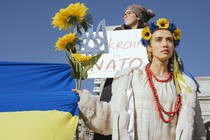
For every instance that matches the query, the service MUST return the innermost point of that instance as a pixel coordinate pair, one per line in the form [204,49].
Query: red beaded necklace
[171,115]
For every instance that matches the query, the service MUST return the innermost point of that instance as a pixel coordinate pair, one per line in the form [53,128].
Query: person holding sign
[135,17]
[158,102]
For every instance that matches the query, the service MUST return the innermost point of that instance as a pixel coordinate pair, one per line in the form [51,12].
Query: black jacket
[105,96]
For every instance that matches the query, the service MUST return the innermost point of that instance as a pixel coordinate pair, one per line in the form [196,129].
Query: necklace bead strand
[160,80]
[171,114]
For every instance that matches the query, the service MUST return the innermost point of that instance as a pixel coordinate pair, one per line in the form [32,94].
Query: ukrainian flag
[36,102]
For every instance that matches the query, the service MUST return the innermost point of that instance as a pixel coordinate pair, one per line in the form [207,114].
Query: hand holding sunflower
[73,18]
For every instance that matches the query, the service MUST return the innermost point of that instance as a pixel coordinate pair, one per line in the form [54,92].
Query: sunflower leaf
[92,61]
[73,64]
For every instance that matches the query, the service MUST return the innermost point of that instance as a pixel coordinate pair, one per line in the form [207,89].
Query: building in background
[204,99]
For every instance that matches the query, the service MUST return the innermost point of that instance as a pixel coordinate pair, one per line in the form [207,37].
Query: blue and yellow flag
[36,102]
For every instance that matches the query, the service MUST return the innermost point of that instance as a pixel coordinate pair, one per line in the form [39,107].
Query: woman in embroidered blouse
[156,103]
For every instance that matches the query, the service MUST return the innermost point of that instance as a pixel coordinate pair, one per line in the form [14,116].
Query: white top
[116,116]
[149,124]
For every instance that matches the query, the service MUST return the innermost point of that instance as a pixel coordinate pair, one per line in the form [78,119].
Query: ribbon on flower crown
[178,78]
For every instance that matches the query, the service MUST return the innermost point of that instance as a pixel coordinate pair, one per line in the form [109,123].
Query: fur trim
[96,114]
[123,72]
[187,112]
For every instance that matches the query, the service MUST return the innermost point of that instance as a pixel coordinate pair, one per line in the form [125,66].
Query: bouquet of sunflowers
[75,19]
[72,18]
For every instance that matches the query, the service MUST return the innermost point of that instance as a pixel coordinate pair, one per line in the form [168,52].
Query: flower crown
[161,23]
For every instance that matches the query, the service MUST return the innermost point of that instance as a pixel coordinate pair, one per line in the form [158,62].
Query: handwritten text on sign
[125,50]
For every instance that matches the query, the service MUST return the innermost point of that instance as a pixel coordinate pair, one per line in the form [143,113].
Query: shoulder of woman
[118,28]
[122,27]
[124,72]
[121,80]
[190,82]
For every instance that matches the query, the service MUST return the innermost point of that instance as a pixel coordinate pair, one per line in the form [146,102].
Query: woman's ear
[149,48]
[149,53]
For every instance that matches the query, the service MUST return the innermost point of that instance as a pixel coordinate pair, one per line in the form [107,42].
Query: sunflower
[66,41]
[66,17]
[162,23]
[146,34]
[177,34]
[77,11]
[81,58]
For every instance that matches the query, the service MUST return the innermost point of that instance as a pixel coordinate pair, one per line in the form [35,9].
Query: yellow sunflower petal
[81,58]
[146,33]
[60,19]
[162,23]
[65,17]
[67,39]
[177,34]
[77,11]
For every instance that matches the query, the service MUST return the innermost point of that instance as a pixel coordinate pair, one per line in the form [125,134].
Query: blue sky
[26,33]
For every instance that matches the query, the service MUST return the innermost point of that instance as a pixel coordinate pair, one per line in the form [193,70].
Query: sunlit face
[161,45]
[130,19]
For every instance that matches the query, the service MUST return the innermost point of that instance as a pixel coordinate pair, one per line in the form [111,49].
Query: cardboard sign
[125,50]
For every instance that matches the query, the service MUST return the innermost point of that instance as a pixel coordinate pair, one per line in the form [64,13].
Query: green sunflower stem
[80,76]
[77,130]
[78,86]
